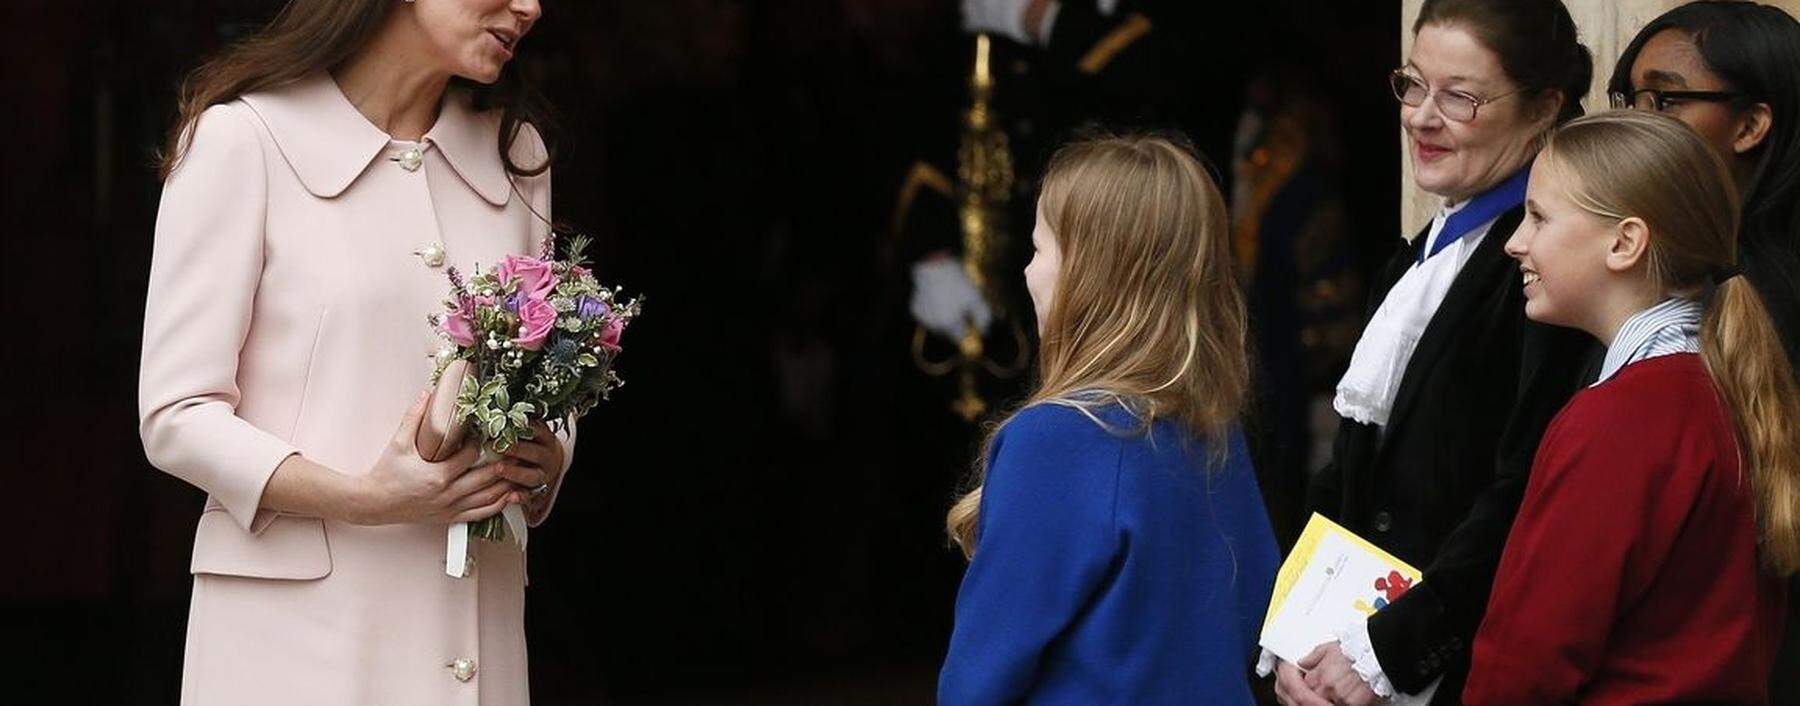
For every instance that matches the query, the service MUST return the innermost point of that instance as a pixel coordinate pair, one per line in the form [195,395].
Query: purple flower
[515,301]
[591,308]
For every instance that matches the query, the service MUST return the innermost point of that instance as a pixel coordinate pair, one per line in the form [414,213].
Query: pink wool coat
[289,290]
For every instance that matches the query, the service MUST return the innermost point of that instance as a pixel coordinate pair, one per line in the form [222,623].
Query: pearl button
[432,254]
[411,159]
[463,669]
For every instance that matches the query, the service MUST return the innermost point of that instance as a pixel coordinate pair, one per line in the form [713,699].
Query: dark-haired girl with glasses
[1731,71]
[1450,387]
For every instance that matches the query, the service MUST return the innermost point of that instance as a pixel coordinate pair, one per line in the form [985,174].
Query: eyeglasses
[1660,101]
[1455,105]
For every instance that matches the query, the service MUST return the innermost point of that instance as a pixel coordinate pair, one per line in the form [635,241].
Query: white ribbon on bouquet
[456,539]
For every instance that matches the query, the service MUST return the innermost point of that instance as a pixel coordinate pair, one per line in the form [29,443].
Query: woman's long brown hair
[308,36]
[1629,163]
[1147,312]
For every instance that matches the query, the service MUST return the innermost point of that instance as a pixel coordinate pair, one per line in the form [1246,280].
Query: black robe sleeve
[1433,625]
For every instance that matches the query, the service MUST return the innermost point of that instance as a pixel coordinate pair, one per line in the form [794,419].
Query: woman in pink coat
[322,176]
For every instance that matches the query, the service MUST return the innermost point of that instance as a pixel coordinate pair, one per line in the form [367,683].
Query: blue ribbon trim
[1504,197]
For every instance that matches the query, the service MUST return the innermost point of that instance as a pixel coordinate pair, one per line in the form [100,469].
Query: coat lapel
[1487,265]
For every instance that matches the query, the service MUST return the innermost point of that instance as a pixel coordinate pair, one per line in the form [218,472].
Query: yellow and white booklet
[1331,579]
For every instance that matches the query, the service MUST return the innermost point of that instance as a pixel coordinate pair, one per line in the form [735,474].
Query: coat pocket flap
[289,547]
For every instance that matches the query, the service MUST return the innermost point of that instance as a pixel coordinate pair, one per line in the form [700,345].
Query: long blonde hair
[1641,164]
[1146,311]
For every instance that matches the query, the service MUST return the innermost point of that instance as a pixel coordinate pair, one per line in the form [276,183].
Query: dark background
[756,518]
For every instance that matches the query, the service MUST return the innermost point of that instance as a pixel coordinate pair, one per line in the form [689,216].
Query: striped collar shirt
[1667,328]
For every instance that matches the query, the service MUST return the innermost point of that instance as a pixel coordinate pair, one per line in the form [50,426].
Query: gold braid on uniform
[1132,29]
[921,176]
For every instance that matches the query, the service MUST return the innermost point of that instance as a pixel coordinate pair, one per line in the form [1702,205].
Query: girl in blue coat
[1119,550]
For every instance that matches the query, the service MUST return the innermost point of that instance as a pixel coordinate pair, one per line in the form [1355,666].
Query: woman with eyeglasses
[1731,71]
[1450,387]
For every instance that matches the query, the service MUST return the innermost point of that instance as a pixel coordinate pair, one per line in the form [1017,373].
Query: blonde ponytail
[1631,163]
[1748,364]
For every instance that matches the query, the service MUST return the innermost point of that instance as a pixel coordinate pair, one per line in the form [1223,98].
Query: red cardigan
[1631,573]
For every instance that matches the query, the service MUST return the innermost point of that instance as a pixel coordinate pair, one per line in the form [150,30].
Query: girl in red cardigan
[1664,501]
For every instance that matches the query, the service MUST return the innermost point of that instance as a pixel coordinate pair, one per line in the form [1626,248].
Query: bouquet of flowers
[533,339]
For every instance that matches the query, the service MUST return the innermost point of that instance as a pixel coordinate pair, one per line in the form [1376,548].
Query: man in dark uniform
[1059,67]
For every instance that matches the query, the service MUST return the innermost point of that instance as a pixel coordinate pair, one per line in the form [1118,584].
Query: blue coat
[1111,568]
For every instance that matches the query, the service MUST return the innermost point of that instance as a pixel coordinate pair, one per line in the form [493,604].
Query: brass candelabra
[984,183]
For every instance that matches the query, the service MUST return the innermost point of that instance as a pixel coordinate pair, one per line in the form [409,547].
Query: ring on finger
[540,489]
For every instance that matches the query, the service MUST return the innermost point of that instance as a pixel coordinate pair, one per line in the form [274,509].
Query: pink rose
[458,325]
[609,336]
[534,275]
[536,318]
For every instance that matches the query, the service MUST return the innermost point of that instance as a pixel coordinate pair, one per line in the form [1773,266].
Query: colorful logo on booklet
[1392,587]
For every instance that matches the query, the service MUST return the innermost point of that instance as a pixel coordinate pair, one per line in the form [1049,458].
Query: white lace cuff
[1007,18]
[1353,641]
[1265,663]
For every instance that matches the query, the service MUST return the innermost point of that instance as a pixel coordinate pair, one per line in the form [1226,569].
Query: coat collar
[328,143]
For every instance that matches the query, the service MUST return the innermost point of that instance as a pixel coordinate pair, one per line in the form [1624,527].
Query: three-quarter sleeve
[1046,537]
[1417,636]
[205,266]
